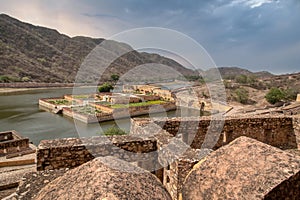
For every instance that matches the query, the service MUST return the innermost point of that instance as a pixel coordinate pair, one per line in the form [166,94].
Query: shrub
[241,95]
[4,79]
[25,79]
[241,79]
[290,94]
[106,87]
[115,77]
[114,131]
[8,79]
[275,95]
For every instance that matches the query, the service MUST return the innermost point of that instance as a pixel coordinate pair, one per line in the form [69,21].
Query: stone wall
[102,107]
[276,131]
[175,173]
[162,143]
[72,152]
[13,143]
[119,112]
[149,89]
[282,132]
[296,126]
[44,103]
[4,136]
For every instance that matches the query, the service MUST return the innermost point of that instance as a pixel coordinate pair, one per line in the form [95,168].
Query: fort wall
[276,131]
[162,139]
[72,152]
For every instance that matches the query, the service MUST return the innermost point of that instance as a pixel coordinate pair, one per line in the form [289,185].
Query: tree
[241,95]
[105,87]
[115,77]
[275,95]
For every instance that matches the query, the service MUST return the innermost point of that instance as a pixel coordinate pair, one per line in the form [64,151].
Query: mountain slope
[227,72]
[44,55]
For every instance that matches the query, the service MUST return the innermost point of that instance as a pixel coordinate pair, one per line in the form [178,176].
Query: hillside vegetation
[39,54]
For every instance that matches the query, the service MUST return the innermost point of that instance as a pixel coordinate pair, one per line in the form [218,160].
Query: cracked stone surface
[245,169]
[97,180]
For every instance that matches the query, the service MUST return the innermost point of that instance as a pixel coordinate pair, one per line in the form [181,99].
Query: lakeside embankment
[10,88]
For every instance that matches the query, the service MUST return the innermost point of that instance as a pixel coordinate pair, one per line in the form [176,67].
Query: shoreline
[20,90]
[9,90]
[17,88]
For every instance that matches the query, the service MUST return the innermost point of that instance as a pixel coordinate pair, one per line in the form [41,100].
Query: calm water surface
[21,112]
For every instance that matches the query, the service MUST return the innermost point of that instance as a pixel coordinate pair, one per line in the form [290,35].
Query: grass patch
[83,96]
[60,102]
[114,130]
[146,103]
[86,110]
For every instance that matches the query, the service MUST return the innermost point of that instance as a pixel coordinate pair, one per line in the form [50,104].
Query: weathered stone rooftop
[245,169]
[33,182]
[96,180]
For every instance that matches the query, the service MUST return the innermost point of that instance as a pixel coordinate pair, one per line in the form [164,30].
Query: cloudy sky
[253,34]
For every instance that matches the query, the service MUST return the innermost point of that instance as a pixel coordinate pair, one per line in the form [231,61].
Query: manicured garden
[60,102]
[87,110]
[146,103]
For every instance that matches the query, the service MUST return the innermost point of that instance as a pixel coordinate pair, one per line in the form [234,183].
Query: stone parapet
[277,131]
[72,152]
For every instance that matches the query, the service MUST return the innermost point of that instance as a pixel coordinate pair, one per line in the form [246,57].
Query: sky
[259,35]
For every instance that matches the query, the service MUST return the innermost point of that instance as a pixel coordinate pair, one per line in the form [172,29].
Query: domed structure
[105,178]
[244,169]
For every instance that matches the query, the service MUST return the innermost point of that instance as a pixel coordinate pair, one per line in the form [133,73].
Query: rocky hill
[39,54]
[231,72]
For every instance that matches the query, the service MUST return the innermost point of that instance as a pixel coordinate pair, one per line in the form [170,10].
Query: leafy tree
[241,95]
[115,77]
[105,87]
[275,95]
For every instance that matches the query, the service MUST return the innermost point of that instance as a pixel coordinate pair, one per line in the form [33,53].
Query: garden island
[134,100]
